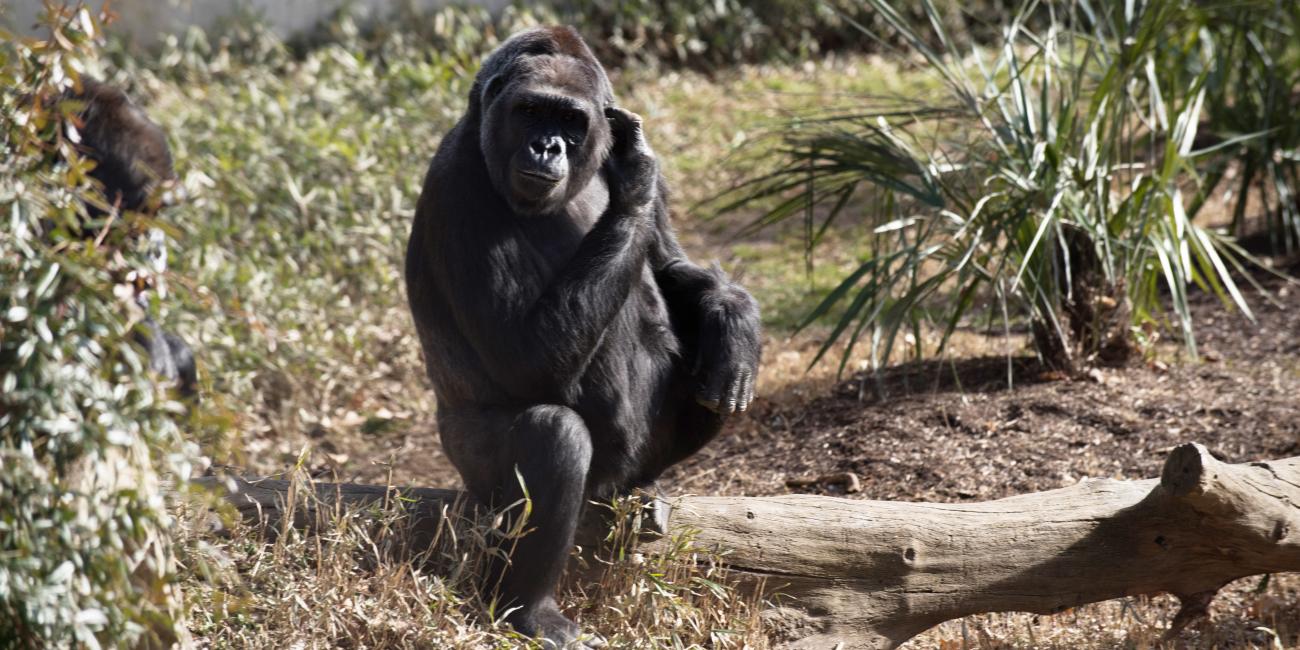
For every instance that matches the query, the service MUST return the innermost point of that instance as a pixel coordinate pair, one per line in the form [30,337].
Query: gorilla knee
[554,435]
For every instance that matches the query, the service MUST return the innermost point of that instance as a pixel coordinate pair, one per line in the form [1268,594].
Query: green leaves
[85,556]
[1059,169]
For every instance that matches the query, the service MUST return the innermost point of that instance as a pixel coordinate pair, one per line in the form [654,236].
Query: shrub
[1050,185]
[85,435]
[1250,111]
[700,34]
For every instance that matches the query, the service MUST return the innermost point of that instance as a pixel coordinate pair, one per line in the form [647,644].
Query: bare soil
[959,430]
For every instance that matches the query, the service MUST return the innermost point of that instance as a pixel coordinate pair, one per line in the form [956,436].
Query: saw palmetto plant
[1053,185]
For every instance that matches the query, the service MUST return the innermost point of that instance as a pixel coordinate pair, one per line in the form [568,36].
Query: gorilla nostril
[547,147]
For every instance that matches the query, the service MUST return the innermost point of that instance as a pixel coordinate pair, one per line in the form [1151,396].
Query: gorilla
[570,341]
[131,160]
[129,149]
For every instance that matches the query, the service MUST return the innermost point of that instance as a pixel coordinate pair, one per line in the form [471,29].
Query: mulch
[959,431]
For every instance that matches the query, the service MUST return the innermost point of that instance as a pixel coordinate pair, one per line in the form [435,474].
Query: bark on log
[872,574]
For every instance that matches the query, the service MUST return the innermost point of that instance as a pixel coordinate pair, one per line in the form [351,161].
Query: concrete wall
[148,20]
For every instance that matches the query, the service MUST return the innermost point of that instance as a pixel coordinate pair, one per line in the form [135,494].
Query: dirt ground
[955,430]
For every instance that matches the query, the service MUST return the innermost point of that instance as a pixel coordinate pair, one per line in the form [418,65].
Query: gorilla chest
[554,241]
[637,348]
[644,314]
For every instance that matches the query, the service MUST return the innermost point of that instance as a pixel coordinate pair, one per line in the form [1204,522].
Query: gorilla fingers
[632,169]
[727,364]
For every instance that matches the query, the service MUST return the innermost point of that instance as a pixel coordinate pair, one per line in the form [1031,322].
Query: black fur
[129,149]
[565,331]
[169,356]
[131,158]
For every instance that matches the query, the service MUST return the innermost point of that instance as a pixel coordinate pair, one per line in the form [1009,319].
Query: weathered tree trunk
[872,574]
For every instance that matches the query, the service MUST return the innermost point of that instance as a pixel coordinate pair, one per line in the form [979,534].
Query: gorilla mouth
[538,177]
[529,185]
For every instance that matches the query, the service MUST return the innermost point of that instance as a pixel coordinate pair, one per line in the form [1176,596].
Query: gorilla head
[542,126]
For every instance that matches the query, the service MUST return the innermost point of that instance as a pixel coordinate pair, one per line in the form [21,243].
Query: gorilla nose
[546,147]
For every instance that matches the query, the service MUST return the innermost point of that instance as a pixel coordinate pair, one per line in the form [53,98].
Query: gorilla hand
[632,169]
[726,363]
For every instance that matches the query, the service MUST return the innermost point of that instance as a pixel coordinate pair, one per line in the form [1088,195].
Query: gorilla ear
[491,89]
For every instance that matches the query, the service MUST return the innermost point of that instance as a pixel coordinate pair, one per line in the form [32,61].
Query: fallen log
[872,574]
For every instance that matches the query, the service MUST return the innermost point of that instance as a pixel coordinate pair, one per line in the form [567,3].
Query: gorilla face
[544,134]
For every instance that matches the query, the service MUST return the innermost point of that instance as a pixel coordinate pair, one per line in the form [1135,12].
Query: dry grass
[350,578]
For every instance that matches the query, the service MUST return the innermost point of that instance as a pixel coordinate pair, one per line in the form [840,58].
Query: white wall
[147,20]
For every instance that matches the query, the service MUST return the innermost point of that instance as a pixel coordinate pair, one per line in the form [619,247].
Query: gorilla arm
[716,318]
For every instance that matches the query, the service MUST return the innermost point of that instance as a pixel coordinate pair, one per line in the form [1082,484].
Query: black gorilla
[129,149]
[131,159]
[566,333]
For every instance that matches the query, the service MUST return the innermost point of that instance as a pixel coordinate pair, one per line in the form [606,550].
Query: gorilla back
[567,335]
[130,150]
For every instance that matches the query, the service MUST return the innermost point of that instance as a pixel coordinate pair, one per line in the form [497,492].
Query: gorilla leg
[685,430]
[696,427]
[169,356]
[684,426]
[187,376]
[550,447]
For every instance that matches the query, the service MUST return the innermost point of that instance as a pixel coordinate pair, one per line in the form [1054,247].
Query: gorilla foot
[655,509]
[556,631]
